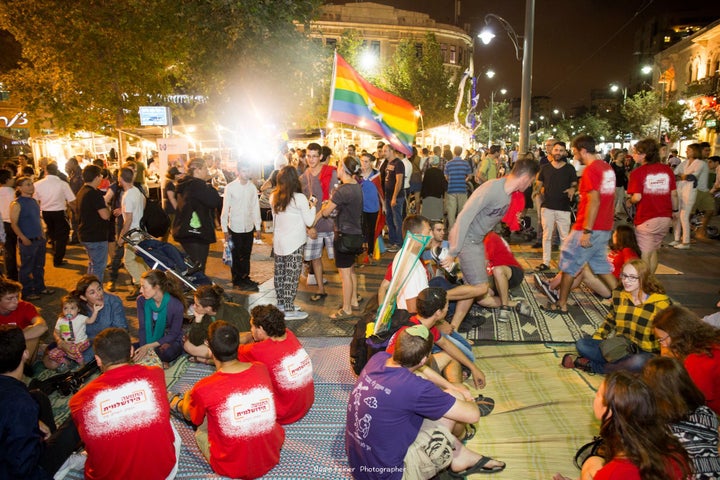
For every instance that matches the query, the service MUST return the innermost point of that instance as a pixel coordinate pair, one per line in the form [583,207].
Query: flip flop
[554,309]
[479,467]
[317,297]
[341,315]
[485,404]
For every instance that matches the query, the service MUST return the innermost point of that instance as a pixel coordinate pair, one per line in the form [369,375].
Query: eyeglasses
[663,339]
[629,278]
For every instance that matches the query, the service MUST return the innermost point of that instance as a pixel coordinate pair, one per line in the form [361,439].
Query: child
[69,333]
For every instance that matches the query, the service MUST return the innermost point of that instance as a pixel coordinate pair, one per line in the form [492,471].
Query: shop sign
[19,120]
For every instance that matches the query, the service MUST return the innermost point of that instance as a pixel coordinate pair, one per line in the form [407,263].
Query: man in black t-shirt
[394,196]
[93,228]
[556,182]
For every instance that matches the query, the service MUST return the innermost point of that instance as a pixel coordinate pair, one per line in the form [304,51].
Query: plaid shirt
[634,321]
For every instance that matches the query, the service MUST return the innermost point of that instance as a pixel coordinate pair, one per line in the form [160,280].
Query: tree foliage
[642,113]
[680,121]
[91,65]
[501,131]
[420,76]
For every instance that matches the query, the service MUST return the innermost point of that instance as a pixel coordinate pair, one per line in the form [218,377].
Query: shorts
[651,233]
[430,453]
[704,201]
[344,260]
[573,256]
[472,262]
[313,247]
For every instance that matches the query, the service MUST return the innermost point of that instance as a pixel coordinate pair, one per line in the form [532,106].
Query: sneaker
[673,243]
[393,248]
[544,287]
[296,315]
[523,308]
[536,245]
[247,286]
[542,267]
[504,315]
[682,246]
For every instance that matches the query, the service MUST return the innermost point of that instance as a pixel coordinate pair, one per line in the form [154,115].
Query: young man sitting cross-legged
[399,424]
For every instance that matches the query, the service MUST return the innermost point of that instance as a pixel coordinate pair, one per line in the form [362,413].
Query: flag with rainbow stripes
[354,101]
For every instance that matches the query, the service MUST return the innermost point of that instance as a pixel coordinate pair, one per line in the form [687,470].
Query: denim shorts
[573,256]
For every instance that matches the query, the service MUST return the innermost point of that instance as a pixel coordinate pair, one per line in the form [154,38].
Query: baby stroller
[164,256]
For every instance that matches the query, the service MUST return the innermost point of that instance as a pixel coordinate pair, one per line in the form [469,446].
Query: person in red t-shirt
[286,359]
[504,271]
[123,416]
[241,437]
[588,240]
[652,189]
[14,311]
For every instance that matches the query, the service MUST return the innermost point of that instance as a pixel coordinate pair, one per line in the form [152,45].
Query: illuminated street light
[527,50]
[646,69]
[368,60]
[490,73]
[615,88]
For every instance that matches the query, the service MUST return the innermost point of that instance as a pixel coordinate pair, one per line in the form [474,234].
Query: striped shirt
[456,171]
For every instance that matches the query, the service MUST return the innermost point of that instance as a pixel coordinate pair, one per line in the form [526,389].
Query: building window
[331,42]
[375,47]
[443,51]
[419,50]
[666,39]
[453,54]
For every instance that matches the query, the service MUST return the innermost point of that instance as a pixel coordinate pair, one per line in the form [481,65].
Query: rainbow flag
[353,100]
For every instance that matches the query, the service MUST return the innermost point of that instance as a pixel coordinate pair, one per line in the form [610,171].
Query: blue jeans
[589,348]
[32,266]
[97,253]
[394,219]
[460,342]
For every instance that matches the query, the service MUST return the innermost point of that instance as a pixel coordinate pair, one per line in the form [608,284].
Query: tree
[90,67]
[681,123]
[590,124]
[501,132]
[642,113]
[418,74]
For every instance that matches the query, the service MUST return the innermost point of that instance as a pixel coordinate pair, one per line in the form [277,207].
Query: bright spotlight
[368,60]
[646,69]
[486,36]
[490,73]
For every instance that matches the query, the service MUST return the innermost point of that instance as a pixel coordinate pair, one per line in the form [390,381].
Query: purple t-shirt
[385,412]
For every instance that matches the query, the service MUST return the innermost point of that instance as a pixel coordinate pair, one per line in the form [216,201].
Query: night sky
[579,44]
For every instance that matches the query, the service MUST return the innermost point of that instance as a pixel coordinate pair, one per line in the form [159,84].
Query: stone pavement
[696,288]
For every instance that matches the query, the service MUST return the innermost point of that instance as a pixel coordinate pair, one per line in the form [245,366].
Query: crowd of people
[408,401]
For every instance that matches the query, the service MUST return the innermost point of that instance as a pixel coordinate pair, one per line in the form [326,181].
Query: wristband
[585,230]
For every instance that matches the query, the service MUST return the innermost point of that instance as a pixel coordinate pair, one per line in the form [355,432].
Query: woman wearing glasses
[683,335]
[631,317]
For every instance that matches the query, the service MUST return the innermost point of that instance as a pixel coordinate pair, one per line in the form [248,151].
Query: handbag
[590,449]
[616,348]
[349,243]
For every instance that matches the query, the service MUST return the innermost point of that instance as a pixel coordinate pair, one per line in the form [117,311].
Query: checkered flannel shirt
[634,321]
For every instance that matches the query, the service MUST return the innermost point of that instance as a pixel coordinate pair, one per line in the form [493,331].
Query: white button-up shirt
[241,208]
[53,194]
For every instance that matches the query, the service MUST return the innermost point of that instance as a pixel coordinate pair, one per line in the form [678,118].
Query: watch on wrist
[585,230]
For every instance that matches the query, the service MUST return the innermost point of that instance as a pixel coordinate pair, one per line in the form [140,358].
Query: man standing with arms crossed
[588,240]
[54,196]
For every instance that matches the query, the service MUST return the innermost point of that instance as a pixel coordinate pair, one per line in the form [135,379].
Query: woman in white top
[687,175]
[292,215]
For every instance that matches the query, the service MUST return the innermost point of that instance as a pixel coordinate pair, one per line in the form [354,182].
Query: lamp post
[490,119]
[418,113]
[615,88]
[527,49]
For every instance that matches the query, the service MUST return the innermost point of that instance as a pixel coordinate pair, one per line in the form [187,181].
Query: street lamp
[615,88]
[418,114]
[486,37]
[503,91]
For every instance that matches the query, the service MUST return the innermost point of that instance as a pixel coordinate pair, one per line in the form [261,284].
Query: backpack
[364,344]
[155,220]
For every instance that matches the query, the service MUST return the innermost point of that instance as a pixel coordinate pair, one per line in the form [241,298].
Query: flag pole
[332,85]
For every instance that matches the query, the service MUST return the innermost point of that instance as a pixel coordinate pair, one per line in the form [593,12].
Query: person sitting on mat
[271,343]
[209,306]
[240,437]
[432,307]
[400,424]
[631,317]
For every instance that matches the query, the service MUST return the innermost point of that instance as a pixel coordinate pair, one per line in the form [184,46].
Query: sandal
[479,467]
[318,296]
[485,405]
[341,315]
[568,360]
[553,309]
[470,431]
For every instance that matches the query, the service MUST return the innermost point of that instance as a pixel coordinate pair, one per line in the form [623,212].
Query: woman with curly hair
[631,316]
[636,441]
[293,214]
[695,343]
[681,405]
